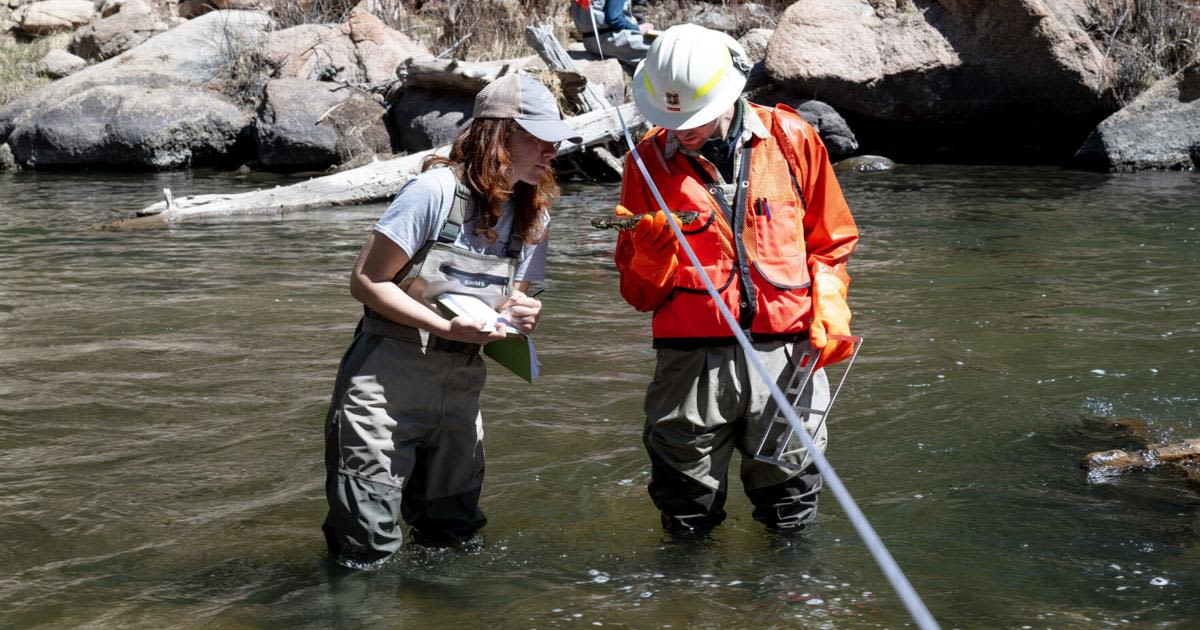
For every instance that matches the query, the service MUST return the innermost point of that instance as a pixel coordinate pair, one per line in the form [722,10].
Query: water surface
[162,393]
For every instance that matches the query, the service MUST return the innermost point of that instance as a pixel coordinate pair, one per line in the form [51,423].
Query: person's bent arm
[371,282]
[830,235]
[641,292]
[523,311]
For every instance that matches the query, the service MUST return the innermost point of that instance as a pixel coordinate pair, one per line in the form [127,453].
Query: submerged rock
[864,164]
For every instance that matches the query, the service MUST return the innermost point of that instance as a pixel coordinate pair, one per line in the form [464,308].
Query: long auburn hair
[480,153]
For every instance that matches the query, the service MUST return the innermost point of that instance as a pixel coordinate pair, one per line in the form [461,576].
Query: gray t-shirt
[422,206]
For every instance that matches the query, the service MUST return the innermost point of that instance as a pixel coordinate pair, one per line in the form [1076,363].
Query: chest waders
[704,402]
[403,436]
[441,267]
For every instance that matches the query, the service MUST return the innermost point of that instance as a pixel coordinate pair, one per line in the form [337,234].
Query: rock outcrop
[424,119]
[948,60]
[59,63]
[953,65]
[195,8]
[309,125]
[755,42]
[48,16]
[132,127]
[198,58]
[360,50]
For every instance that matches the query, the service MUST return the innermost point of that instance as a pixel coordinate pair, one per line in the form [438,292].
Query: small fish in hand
[628,222]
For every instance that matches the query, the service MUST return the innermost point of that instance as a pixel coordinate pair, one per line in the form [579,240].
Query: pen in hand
[537,293]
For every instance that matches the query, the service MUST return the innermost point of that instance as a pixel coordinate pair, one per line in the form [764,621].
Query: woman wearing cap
[403,436]
[774,234]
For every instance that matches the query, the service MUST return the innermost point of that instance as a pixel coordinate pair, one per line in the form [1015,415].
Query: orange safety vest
[760,260]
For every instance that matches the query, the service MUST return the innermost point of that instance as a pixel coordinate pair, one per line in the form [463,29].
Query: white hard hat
[690,76]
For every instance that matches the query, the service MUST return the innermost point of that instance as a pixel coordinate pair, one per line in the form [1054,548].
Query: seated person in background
[619,33]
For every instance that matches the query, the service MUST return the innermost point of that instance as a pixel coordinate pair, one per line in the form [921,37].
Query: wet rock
[111,36]
[943,61]
[132,127]
[41,18]
[839,139]
[59,63]
[835,133]
[424,119]
[864,164]
[307,125]
[1160,129]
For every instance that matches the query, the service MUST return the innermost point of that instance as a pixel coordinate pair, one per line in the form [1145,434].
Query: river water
[162,394]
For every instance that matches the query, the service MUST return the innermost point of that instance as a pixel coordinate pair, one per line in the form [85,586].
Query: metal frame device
[780,426]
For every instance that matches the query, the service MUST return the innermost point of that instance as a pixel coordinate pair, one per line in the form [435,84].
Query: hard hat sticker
[672,101]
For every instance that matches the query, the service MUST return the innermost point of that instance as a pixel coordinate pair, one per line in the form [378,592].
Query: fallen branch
[542,40]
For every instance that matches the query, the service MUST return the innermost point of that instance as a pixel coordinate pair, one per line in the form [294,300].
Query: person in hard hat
[620,34]
[403,435]
[773,235]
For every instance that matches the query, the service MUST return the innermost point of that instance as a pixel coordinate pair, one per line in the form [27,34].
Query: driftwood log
[599,125]
[542,40]
[376,181]
[451,74]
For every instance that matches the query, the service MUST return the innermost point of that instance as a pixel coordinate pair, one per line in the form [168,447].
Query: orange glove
[654,248]
[831,316]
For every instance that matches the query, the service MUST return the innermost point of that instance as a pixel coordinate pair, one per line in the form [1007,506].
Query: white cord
[912,601]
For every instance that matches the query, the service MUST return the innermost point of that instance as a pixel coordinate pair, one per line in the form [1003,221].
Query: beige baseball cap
[528,102]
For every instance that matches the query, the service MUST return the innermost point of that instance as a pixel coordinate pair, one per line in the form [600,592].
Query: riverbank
[289,90]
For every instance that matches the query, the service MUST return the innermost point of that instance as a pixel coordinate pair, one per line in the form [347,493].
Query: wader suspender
[453,227]
[450,229]
[737,221]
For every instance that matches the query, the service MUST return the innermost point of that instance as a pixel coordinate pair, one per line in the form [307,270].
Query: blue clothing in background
[614,16]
